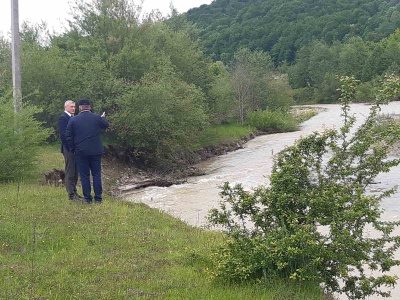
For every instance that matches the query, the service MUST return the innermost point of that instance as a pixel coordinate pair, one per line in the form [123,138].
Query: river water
[251,166]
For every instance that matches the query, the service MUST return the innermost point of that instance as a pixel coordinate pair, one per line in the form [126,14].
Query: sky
[55,12]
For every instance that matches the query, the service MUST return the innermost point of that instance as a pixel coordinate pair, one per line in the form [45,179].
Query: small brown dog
[55,177]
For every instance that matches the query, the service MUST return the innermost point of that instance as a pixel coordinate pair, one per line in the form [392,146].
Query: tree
[107,24]
[310,223]
[248,79]
[5,67]
[353,57]
[222,103]
[391,88]
[160,118]
[323,60]
[282,30]
[279,93]
[46,78]
[242,86]
[298,73]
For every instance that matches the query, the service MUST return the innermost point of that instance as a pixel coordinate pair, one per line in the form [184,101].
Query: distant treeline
[313,41]
[282,27]
[314,72]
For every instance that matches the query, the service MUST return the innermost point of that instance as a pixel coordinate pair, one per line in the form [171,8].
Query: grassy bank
[277,121]
[51,248]
[226,133]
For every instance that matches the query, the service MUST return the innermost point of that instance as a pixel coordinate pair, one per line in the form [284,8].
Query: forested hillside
[282,27]
[314,41]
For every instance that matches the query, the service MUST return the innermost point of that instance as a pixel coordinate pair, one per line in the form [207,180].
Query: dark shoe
[79,197]
[75,197]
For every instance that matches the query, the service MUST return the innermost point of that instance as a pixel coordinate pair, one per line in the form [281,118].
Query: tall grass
[52,248]
[226,133]
[280,121]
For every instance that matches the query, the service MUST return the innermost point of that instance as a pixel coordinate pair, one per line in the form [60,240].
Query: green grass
[51,248]
[50,157]
[227,133]
[278,120]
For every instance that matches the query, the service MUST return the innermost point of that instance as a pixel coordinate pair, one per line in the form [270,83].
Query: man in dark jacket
[83,136]
[71,169]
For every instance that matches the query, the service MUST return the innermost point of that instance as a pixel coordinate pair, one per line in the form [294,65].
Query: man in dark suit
[83,137]
[71,169]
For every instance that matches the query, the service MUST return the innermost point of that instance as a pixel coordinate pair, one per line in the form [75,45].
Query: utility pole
[16,56]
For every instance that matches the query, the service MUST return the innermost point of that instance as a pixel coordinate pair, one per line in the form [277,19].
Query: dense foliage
[277,121]
[310,222]
[249,73]
[160,92]
[311,40]
[162,117]
[313,73]
[149,74]
[21,136]
[283,27]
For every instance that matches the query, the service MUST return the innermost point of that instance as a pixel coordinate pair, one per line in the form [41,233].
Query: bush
[280,94]
[328,90]
[277,120]
[366,92]
[304,96]
[20,138]
[309,224]
[161,118]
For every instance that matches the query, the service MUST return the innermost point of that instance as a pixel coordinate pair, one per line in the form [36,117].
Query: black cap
[83,102]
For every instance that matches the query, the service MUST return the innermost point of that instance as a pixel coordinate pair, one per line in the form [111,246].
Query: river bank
[121,177]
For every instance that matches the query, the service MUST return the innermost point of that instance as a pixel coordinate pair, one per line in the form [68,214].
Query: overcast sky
[55,12]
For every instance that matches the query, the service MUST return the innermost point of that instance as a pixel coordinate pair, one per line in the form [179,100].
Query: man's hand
[103,114]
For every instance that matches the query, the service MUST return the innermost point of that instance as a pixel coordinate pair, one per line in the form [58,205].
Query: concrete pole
[16,56]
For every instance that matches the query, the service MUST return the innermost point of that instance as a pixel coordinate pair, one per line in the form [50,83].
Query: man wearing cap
[71,170]
[83,136]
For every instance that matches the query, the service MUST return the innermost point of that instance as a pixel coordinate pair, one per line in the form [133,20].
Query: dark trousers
[90,164]
[71,172]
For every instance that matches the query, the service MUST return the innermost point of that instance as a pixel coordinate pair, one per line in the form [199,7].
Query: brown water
[251,166]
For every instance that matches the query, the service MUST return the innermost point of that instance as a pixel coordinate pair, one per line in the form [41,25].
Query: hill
[281,27]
